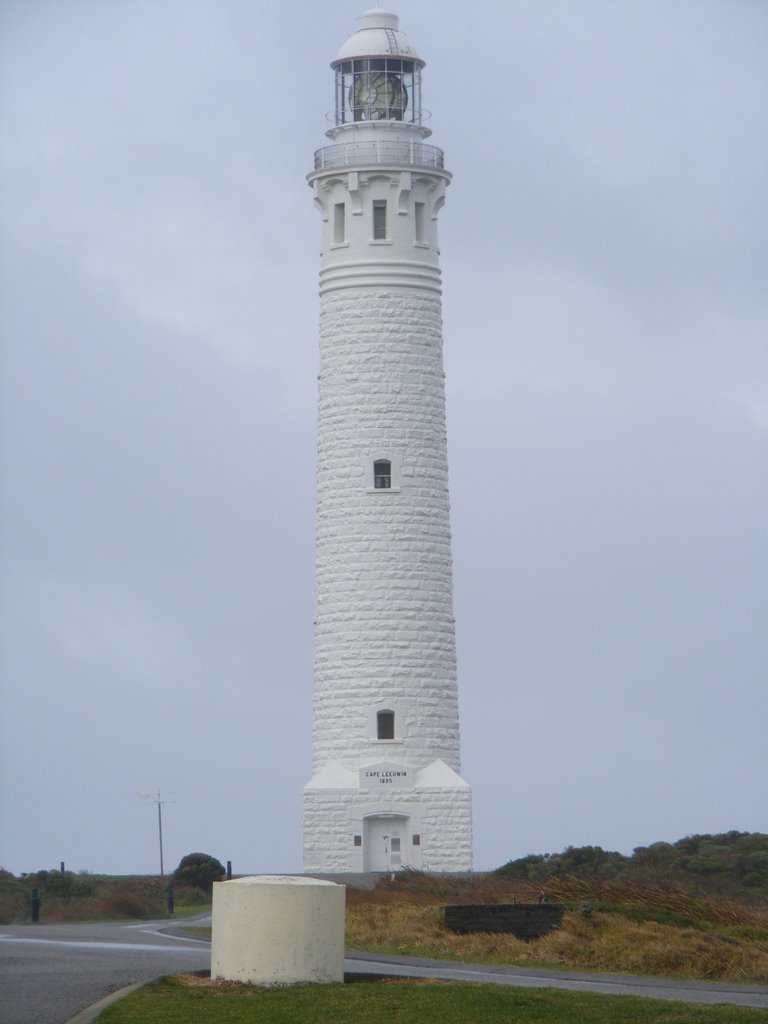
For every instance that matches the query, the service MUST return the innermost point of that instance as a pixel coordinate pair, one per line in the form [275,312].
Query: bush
[83,885]
[200,870]
[754,880]
[129,904]
[58,883]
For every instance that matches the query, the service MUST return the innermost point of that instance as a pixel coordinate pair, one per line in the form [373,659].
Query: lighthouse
[386,790]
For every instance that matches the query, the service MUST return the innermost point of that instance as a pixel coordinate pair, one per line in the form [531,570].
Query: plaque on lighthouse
[386,790]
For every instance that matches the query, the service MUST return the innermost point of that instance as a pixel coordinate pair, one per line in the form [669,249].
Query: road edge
[90,1013]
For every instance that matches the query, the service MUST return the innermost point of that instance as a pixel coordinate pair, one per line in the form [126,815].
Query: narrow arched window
[339,224]
[385,725]
[382,473]
[420,221]
[379,218]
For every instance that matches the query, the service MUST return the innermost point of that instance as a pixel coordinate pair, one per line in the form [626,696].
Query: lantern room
[378,74]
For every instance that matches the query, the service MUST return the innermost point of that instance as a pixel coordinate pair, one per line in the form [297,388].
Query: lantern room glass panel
[378,89]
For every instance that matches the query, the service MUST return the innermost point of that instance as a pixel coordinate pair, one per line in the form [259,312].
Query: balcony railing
[408,154]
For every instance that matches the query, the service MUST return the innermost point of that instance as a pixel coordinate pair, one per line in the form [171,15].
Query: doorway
[385,841]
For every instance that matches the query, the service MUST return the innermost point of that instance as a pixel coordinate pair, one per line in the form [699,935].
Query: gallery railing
[409,154]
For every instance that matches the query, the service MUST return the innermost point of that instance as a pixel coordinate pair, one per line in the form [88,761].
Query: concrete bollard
[278,930]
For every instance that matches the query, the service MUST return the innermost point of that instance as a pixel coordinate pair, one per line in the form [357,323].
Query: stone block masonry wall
[446,826]
[327,833]
[384,624]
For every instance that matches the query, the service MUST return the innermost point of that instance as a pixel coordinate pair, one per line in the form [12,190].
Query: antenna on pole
[159,800]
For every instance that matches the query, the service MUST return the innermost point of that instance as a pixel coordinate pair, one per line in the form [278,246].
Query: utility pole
[158,799]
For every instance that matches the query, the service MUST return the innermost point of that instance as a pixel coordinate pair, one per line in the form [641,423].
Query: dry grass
[406,917]
[415,887]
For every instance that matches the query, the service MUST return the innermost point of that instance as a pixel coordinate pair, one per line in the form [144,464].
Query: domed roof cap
[377,35]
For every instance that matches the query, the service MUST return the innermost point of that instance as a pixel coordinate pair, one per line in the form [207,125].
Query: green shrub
[59,883]
[200,870]
[83,885]
[730,865]
[128,904]
[755,880]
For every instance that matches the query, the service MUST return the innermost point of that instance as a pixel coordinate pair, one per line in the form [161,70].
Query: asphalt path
[577,981]
[50,973]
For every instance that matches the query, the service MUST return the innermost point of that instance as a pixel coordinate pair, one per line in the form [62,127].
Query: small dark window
[380,218]
[382,473]
[420,218]
[339,225]
[416,839]
[358,840]
[385,725]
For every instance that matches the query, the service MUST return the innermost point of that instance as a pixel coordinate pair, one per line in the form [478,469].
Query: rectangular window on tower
[385,725]
[339,224]
[382,474]
[379,218]
[420,219]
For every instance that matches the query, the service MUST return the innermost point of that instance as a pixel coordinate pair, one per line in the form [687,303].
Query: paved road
[48,973]
[606,984]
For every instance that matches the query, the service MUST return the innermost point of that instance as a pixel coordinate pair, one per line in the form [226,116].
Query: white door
[384,841]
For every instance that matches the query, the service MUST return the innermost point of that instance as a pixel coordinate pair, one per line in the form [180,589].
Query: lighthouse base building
[424,822]
[386,790]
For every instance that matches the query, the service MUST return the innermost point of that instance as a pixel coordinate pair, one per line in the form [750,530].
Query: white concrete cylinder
[278,930]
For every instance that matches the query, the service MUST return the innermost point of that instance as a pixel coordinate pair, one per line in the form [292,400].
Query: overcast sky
[605,262]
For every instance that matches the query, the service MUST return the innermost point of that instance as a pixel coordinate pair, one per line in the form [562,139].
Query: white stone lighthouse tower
[386,790]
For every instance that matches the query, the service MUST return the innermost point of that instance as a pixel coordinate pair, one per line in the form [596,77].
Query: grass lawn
[190,1000]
